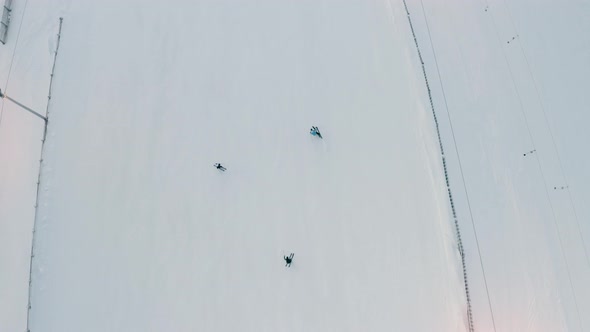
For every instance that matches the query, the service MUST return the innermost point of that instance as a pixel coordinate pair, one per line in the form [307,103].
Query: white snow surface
[137,231]
[507,97]
[27,80]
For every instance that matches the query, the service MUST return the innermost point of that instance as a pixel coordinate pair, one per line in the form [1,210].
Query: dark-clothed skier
[288,259]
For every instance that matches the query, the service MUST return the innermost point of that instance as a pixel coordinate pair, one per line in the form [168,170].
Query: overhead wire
[460,166]
[551,135]
[447,181]
[542,174]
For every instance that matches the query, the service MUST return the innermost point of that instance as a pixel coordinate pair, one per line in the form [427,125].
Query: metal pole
[39,181]
[3,96]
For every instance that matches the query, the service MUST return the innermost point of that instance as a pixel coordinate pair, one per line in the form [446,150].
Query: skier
[288,259]
[219,167]
[315,132]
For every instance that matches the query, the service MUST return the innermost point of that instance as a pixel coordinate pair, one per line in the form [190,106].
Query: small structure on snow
[5,20]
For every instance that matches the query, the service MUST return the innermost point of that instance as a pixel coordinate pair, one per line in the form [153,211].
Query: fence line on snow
[444,162]
[39,176]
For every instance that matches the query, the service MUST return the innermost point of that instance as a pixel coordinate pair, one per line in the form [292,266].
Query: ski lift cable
[450,196]
[460,167]
[525,118]
[551,135]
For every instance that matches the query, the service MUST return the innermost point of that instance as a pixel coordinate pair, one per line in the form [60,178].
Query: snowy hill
[137,231]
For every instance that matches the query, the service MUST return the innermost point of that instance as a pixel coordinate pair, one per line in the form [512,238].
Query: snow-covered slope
[514,78]
[137,231]
[24,75]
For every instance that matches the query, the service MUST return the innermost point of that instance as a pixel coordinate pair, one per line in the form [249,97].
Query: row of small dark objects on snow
[458,232]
